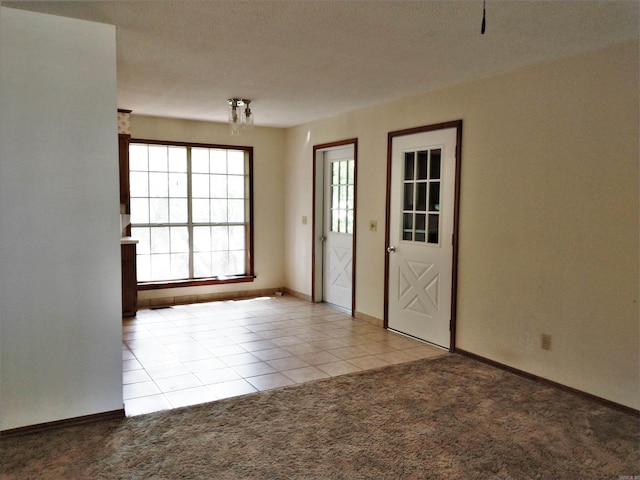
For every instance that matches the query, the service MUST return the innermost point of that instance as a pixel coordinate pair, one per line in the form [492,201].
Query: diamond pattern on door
[418,287]
[340,274]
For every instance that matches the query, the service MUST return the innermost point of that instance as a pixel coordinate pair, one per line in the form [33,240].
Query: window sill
[195,283]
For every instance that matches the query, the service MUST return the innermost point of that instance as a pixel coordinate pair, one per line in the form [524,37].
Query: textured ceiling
[303,60]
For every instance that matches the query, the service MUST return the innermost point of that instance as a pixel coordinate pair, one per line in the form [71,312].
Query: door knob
[391,249]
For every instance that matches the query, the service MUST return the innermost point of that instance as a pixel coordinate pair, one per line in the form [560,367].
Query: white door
[339,169]
[421,226]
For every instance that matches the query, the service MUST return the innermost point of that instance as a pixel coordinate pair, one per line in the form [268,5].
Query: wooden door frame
[457,124]
[318,212]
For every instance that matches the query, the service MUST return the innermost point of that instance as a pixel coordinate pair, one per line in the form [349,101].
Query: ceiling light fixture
[239,119]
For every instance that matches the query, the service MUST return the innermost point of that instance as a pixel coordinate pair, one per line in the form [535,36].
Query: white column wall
[60,298]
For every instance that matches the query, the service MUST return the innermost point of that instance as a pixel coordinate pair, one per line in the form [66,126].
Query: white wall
[549,216]
[268,196]
[60,311]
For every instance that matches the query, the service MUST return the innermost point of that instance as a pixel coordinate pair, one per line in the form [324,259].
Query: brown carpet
[449,417]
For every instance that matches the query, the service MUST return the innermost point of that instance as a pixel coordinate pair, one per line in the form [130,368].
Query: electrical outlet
[373,225]
[546,341]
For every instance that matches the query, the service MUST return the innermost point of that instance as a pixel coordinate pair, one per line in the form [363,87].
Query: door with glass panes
[339,168]
[421,227]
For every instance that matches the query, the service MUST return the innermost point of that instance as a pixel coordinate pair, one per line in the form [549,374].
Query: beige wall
[268,195]
[549,216]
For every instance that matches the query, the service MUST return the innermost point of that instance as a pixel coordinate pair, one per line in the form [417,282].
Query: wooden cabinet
[123,157]
[129,278]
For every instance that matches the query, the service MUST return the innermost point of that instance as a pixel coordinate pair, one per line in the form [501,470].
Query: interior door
[420,248]
[339,173]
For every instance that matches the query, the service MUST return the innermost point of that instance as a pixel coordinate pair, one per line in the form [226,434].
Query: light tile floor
[184,355]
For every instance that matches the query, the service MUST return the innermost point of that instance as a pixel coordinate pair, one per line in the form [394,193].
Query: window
[342,202]
[191,211]
[421,202]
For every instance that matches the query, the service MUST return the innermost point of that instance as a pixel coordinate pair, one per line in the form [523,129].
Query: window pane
[421,200]
[178,159]
[335,173]
[138,157]
[201,239]
[218,160]
[434,228]
[351,176]
[180,240]
[139,184]
[200,210]
[219,211]
[350,196]
[178,210]
[158,158]
[237,238]
[436,158]
[202,265]
[236,263]
[178,185]
[408,165]
[159,210]
[144,241]
[220,263]
[219,238]
[434,196]
[161,267]
[160,240]
[200,160]
[343,172]
[236,211]
[235,162]
[350,222]
[200,186]
[407,226]
[334,221]
[408,196]
[422,165]
[158,184]
[180,266]
[421,221]
[236,186]
[139,210]
[143,267]
[218,186]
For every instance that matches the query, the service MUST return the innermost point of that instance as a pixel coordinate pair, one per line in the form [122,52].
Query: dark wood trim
[316,148]
[67,422]
[191,144]
[195,283]
[551,383]
[457,124]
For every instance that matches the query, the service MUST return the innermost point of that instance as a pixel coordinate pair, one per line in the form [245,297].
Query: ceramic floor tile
[338,368]
[239,359]
[219,375]
[367,362]
[288,363]
[141,389]
[135,376]
[269,381]
[254,369]
[232,388]
[165,371]
[130,364]
[190,396]
[306,374]
[152,403]
[272,353]
[191,354]
[181,382]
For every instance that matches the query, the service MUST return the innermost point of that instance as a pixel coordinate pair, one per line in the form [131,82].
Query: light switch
[373,225]
[304,219]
